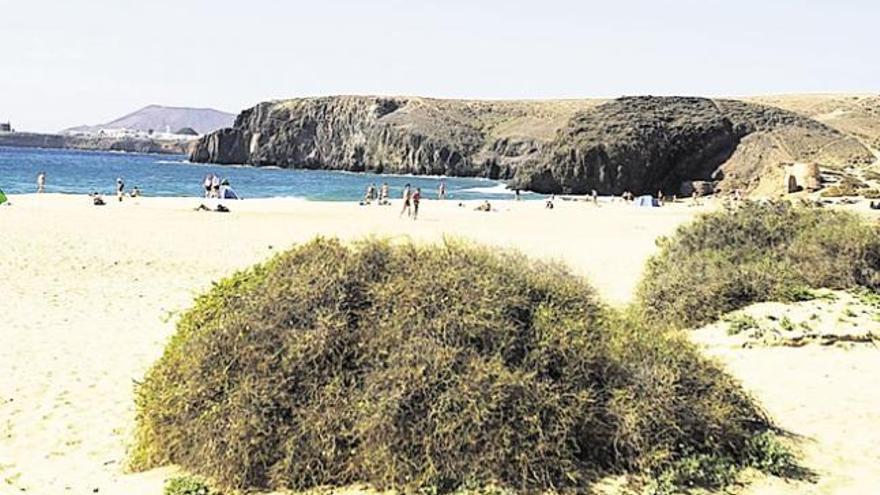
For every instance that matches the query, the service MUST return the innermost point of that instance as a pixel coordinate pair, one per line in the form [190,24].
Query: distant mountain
[160,119]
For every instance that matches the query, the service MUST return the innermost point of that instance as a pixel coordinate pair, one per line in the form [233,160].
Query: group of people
[97,198]
[216,188]
[412,197]
[377,195]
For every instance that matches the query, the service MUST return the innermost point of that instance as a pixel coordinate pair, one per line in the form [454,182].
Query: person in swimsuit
[41,182]
[407,200]
[120,189]
[416,198]
[383,194]
[207,184]
[441,191]
[215,187]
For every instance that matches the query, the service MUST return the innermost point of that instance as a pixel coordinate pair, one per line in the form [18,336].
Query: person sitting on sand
[120,189]
[135,192]
[41,182]
[416,198]
[407,201]
[485,206]
[97,200]
[549,204]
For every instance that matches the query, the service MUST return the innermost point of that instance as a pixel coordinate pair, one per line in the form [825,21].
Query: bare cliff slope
[639,144]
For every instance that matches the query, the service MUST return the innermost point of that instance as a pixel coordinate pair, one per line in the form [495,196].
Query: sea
[83,172]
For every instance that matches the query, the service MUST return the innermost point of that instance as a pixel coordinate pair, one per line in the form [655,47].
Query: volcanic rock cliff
[640,144]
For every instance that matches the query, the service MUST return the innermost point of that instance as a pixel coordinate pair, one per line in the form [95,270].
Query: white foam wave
[496,189]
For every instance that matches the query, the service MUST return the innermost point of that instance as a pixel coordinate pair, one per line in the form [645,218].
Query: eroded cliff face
[638,144]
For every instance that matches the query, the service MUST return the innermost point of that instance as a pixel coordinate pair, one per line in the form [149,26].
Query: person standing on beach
[407,199]
[207,185]
[416,198]
[41,182]
[516,194]
[215,187]
[595,196]
[441,191]
[120,188]
[383,195]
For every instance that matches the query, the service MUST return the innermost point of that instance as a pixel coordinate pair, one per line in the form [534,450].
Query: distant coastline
[95,142]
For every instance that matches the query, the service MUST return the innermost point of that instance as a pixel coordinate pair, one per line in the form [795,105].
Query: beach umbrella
[2,197]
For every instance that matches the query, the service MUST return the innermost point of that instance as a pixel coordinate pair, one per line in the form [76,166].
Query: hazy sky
[70,62]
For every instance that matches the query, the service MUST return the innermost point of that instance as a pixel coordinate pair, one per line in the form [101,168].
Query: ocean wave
[496,189]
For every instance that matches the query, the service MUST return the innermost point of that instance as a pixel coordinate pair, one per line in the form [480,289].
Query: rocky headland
[95,142]
[640,144]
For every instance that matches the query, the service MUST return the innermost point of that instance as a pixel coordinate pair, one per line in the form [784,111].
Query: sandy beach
[91,294]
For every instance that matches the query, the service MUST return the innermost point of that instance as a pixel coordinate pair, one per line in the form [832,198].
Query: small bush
[786,324]
[739,323]
[756,252]
[766,453]
[187,485]
[872,193]
[427,368]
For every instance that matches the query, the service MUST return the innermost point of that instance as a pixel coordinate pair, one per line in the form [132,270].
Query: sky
[70,62]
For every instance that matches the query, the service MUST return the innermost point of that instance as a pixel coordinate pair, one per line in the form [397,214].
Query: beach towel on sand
[2,197]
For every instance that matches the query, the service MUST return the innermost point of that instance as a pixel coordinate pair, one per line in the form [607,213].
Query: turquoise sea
[80,172]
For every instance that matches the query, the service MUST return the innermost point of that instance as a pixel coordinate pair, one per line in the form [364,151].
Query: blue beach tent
[647,200]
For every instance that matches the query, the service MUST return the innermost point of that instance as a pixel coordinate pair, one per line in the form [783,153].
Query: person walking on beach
[416,198]
[41,182]
[441,190]
[120,189]
[407,200]
[207,185]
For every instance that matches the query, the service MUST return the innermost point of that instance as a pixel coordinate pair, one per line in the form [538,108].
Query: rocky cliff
[640,144]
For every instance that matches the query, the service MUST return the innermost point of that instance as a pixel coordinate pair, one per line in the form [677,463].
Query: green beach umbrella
[2,197]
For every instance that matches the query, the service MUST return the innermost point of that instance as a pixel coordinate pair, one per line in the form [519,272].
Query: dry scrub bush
[431,367]
[756,252]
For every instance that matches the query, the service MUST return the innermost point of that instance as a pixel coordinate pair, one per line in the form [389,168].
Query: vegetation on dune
[434,368]
[756,252]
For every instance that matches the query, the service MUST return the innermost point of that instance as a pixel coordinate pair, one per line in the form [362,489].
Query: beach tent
[2,197]
[227,192]
[646,201]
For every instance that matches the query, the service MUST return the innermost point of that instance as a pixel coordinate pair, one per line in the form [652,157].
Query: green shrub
[786,324]
[187,485]
[757,252]
[739,323]
[427,367]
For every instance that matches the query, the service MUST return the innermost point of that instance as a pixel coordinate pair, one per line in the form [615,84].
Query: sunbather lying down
[485,206]
[218,209]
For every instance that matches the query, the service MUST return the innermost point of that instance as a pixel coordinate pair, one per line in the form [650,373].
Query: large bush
[410,367]
[756,252]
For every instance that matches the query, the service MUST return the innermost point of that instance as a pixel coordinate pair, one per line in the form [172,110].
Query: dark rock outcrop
[639,144]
